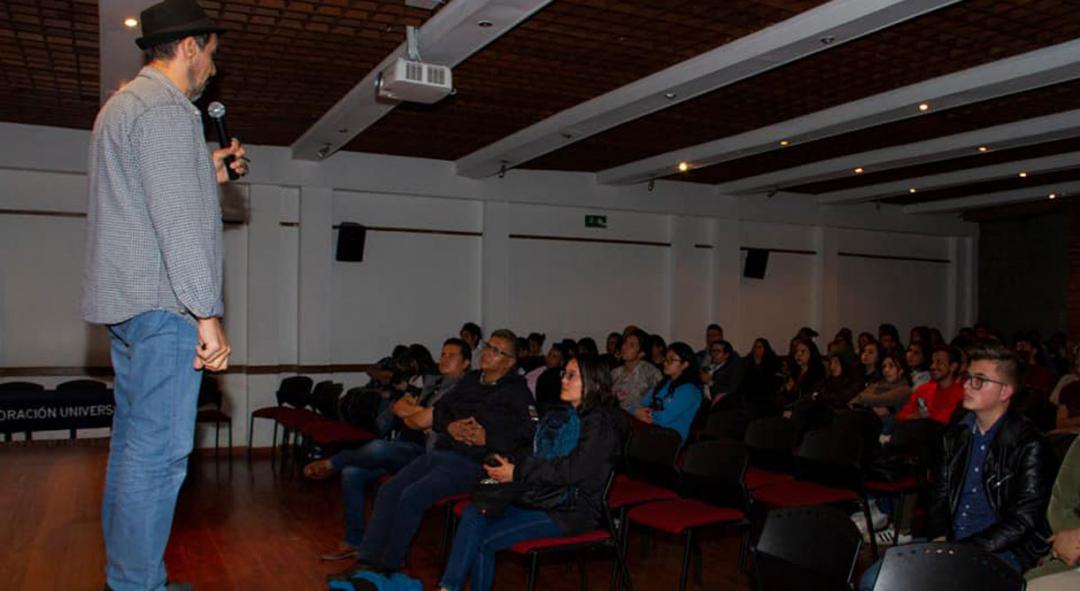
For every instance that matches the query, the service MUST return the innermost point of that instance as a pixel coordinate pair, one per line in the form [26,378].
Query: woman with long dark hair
[675,400]
[807,372]
[760,380]
[572,451]
[889,394]
[870,359]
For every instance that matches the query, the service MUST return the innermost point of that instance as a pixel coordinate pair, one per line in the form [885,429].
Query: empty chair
[806,548]
[292,395]
[935,566]
[770,447]
[210,410]
[725,424]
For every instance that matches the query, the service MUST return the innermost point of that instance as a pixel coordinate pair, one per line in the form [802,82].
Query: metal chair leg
[686,559]
[531,586]
[251,433]
[870,527]
[581,571]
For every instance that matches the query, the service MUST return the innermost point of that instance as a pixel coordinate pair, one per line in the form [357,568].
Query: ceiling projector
[415,81]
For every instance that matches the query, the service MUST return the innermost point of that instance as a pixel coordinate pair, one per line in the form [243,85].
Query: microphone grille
[215,110]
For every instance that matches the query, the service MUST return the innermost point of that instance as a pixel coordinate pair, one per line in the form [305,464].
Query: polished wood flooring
[242,525]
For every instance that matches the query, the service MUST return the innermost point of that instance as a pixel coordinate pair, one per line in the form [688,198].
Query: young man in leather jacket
[994,482]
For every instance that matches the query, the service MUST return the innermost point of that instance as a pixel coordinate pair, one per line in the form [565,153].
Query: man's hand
[405,406]
[1066,546]
[239,164]
[458,429]
[213,350]
[504,472]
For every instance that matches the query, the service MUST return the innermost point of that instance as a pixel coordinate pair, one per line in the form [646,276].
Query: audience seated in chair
[489,411]
[546,382]
[722,378]
[939,398]
[636,376]
[761,369]
[918,363]
[807,372]
[675,400]
[870,358]
[1060,569]
[841,382]
[714,333]
[1068,400]
[573,452]
[889,394]
[612,350]
[993,484]
[361,466]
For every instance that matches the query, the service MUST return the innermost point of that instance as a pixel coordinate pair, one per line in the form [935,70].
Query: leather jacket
[1018,475]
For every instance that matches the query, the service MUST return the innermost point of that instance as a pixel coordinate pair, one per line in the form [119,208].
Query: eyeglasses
[977,382]
[489,347]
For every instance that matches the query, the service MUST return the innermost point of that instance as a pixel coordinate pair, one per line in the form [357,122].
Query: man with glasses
[996,472]
[490,411]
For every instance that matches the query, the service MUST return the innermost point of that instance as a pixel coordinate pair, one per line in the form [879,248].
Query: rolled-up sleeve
[184,211]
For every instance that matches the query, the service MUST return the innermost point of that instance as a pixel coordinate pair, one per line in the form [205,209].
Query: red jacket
[940,403]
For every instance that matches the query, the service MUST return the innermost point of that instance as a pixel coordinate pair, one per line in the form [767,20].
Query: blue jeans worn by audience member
[157,392]
[359,467]
[402,501]
[479,538]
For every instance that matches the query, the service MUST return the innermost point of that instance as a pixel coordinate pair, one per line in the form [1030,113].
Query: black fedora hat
[171,20]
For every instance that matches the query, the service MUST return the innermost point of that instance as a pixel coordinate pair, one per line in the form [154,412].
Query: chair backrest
[324,398]
[936,566]
[82,385]
[713,471]
[770,443]
[725,424]
[831,456]
[918,438]
[295,391]
[20,387]
[209,392]
[651,454]
[812,547]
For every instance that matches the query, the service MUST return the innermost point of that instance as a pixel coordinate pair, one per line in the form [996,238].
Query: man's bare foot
[319,469]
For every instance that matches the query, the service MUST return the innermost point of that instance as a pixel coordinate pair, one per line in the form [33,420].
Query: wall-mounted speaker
[350,242]
[756,261]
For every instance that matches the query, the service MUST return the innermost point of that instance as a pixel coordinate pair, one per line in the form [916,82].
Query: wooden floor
[245,526]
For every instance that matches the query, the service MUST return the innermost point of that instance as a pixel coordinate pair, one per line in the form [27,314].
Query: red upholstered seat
[799,493]
[592,537]
[383,479]
[326,432]
[295,418]
[627,491]
[757,478]
[678,515]
[906,483]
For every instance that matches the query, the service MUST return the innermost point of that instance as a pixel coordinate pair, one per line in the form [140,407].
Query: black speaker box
[756,261]
[350,242]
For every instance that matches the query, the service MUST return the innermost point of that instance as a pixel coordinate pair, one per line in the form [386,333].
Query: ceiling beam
[837,21]
[1020,73]
[950,179]
[448,38]
[999,137]
[120,59]
[1063,191]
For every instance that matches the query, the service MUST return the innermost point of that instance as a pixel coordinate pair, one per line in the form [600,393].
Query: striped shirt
[154,217]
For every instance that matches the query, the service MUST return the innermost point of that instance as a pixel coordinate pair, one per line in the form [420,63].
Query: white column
[495,269]
[727,282]
[826,292]
[316,266]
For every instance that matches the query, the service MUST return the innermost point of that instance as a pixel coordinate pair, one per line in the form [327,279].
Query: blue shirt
[974,513]
[674,410]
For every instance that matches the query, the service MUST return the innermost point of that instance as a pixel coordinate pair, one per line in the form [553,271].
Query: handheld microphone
[216,111]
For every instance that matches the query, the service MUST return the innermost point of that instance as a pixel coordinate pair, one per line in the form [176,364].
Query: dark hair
[587,347]
[815,367]
[690,375]
[1005,360]
[595,384]
[726,346]
[570,348]
[615,335]
[422,359]
[166,50]
[954,353]
[923,346]
[561,348]
[769,356]
[807,333]
[466,352]
[714,326]
[537,337]
[522,346]
[509,336]
[474,329]
[880,354]
[923,333]
[890,329]
[897,358]
[642,340]
[654,340]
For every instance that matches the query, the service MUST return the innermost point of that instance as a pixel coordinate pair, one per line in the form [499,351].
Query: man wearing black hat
[153,276]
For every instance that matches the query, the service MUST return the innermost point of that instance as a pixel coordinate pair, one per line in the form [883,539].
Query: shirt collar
[969,421]
[158,76]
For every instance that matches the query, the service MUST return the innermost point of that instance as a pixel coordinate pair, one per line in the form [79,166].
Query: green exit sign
[596,221]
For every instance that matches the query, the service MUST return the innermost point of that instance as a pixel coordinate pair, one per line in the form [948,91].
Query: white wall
[669,260]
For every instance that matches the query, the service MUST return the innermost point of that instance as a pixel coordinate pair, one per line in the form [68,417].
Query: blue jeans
[157,392]
[359,467]
[479,538]
[401,503]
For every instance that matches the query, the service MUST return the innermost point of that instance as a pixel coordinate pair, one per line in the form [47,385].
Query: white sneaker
[878,519]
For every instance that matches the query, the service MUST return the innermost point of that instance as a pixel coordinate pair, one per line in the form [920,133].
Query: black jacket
[1018,475]
[505,410]
[586,469]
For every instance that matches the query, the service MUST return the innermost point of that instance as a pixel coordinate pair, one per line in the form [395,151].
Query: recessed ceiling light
[1022,175]
[984,149]
[924,106]
[684,166]
[784,143]
[131,23]
[912,190]
[485,24]
[670,95]
[1053,195]
[858,170]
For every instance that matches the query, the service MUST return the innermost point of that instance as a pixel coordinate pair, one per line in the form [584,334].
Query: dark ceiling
[284,63]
